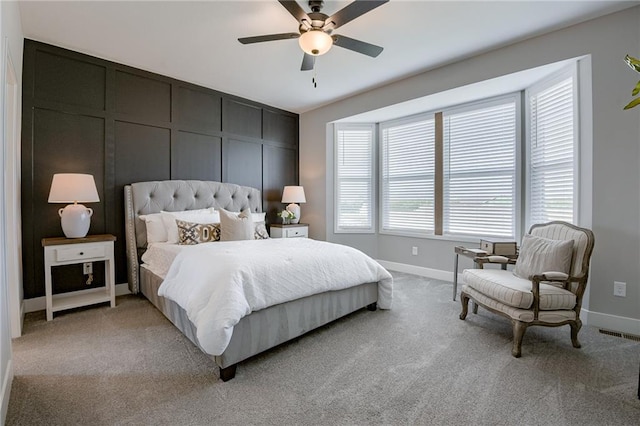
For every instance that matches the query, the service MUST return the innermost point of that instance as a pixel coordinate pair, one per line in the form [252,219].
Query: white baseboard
[6,392]
[22,312]
[592,319]
[611,322]
[40,303]
[437,274]
[16,330]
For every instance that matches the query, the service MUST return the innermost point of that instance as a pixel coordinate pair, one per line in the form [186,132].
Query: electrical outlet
[619,289]
[87,268]
[414,251]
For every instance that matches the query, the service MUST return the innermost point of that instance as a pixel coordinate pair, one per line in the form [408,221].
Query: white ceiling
[197,41]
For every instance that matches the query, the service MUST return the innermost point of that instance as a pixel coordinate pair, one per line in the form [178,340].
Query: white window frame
[569,71]
[372,182]
[517,183]
[398,232]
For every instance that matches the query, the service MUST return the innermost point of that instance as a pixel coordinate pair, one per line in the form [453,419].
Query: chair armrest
[495,259]
[551,276]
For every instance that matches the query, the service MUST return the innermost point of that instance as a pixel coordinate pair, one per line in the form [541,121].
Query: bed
[260,329]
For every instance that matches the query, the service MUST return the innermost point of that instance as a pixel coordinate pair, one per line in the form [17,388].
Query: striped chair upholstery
[543,300]
[514,291]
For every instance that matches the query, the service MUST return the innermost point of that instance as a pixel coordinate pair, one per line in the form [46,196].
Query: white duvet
[219,283]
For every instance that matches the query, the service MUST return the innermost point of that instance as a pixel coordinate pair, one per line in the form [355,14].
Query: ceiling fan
[314,32]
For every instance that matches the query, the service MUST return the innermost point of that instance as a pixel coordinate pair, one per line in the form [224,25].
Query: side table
[478,256]
[68,251]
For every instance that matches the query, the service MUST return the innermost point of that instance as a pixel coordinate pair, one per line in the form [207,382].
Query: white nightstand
[68,251]
[296,230]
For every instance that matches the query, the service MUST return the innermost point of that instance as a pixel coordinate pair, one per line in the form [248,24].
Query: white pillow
[255,217]
[156,230]
[194,216]
[236,227]
[539,255]
[258,217]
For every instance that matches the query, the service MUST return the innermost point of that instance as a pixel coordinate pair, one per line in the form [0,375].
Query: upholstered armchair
[545,287]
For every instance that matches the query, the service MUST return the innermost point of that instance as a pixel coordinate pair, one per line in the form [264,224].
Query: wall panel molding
[121,124]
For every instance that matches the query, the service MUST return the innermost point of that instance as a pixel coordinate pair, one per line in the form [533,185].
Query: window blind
[480,171]
[354,178]
[551,153]
[408,169]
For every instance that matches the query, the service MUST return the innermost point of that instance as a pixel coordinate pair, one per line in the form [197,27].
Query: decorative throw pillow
[195,233]
[194,216]
[539,255]
[236,227]
[260,231]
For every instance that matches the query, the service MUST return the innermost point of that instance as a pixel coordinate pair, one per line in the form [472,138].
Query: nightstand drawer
[296,232]
[79,253]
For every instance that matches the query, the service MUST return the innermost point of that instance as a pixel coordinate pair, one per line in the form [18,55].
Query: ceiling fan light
[315,42]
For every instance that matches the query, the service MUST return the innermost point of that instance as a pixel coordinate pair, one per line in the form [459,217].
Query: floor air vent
[619,334]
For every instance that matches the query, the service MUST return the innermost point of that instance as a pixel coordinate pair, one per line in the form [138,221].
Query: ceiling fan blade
[294,9]
[270,37]
[352,11]
[308,61]
[357,45]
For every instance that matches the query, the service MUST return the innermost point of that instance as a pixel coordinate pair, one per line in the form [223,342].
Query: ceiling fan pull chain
[314,80]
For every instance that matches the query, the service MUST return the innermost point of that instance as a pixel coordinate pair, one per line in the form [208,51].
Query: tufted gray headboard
[176,195]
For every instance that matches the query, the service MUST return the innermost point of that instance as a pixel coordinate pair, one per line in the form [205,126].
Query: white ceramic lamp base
[295,209]
[75,220]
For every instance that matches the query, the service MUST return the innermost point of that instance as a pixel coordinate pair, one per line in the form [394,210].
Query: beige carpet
[415,364]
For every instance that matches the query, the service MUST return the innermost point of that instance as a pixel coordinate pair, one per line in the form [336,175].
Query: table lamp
[293,195]
[74,188]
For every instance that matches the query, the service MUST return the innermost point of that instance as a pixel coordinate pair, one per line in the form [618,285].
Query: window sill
[455,238]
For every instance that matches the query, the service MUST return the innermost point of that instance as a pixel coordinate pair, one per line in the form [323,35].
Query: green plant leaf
[633,103]
[632,62]
[636,89]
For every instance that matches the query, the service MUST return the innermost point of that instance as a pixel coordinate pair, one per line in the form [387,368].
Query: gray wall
[610,186]
[12,32]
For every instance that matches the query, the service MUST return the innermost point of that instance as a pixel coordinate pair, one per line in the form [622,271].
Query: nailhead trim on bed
[177,195]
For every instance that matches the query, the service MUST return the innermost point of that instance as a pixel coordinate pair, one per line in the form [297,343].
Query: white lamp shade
[293,194]
[315,42]
[72,188]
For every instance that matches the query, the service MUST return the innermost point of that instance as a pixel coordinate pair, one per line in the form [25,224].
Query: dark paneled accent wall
[85,115]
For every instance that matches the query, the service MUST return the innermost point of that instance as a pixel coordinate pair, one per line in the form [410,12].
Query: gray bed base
[257,332]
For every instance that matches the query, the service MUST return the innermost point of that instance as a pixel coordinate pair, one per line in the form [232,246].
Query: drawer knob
[81,253]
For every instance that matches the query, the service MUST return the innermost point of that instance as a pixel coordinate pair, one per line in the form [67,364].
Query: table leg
[474,305]
[110,281]
[48,293]
[455,277]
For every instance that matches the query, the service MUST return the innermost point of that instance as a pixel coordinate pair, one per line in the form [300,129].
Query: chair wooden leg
[575,328]
[519,328]
[464,299]
[475,308]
